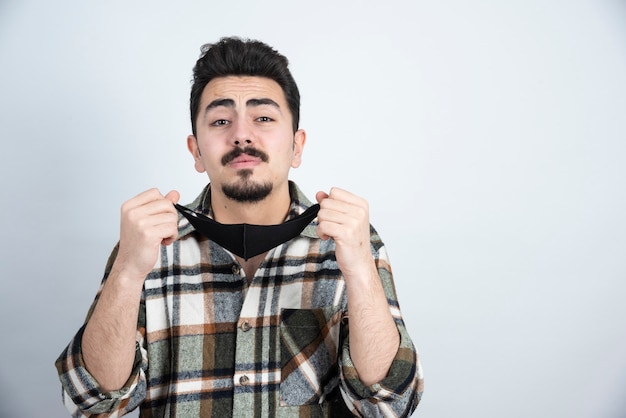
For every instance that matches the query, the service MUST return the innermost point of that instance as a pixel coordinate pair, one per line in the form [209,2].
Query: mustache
[251,151]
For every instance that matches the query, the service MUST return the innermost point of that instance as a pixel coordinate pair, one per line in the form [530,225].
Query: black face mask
[246,240]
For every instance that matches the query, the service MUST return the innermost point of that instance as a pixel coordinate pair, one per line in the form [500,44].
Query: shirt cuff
[83,389]
[402,374]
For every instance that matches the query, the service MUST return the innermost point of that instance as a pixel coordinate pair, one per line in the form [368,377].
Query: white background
[488,136]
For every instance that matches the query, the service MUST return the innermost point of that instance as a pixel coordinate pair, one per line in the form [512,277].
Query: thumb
[173,196]
[319,196]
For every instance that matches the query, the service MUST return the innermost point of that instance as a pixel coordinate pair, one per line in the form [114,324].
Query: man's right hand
[148,221]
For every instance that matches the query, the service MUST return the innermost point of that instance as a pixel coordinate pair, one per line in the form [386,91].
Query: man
[245,306]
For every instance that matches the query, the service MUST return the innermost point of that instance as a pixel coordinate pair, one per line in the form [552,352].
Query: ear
[192,146]
[299,140]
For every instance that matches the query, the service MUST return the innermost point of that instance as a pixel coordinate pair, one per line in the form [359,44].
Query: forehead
[241,89]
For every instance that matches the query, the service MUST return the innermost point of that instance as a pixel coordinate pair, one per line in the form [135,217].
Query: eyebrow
[231,103]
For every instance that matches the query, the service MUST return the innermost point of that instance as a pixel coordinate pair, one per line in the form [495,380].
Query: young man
[248,305]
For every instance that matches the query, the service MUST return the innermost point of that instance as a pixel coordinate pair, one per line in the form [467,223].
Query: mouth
[244,161]
[243,158]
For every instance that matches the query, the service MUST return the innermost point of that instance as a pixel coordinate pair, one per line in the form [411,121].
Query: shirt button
[244,380]
[245,326]
[236,269]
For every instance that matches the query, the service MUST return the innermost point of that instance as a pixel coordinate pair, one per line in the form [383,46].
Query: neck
[269,211]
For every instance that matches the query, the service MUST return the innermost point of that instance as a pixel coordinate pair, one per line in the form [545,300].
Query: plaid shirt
[212,344]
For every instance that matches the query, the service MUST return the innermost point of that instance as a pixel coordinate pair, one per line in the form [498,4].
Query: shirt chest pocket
[309,340]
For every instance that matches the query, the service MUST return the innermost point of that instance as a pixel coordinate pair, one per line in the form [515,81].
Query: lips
[245,159]
[248,155]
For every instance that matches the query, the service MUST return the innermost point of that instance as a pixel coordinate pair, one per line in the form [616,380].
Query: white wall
[489,137]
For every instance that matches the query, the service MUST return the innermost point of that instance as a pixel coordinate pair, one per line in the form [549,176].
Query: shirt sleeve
[81,393]
[398,394]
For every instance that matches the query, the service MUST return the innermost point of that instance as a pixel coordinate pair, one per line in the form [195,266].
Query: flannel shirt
[210,343]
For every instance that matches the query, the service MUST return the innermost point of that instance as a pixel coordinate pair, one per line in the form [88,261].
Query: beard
[245,190]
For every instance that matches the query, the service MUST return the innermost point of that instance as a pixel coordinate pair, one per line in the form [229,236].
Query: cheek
[210,153]
[289,160]
[208,159]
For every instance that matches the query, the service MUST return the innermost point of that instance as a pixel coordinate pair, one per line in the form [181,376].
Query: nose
[242,142]
[242,134]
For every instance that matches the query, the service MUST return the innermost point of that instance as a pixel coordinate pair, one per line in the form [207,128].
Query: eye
[264,119]
[220,122]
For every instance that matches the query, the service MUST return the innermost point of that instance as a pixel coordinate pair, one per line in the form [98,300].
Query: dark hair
[233,56]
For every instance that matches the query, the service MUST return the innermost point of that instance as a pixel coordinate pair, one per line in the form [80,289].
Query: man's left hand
[344,217]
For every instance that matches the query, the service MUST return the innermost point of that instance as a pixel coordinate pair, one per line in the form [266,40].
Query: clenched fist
[148,221]
[344,217]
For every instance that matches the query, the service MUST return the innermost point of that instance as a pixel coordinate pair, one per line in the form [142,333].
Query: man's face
[244,138]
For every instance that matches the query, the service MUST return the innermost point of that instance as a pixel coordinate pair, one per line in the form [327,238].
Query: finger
[168,222]
[340,194]
[162,228]
[155,207]
[170,240]
[172,235]
[320,232]
[329,230]
[334,215]
[319,196]
[345,196]
[163,218]
[173,196]
[330,204]
[143,198]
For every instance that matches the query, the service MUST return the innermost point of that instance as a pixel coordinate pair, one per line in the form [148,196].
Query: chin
[247,191]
